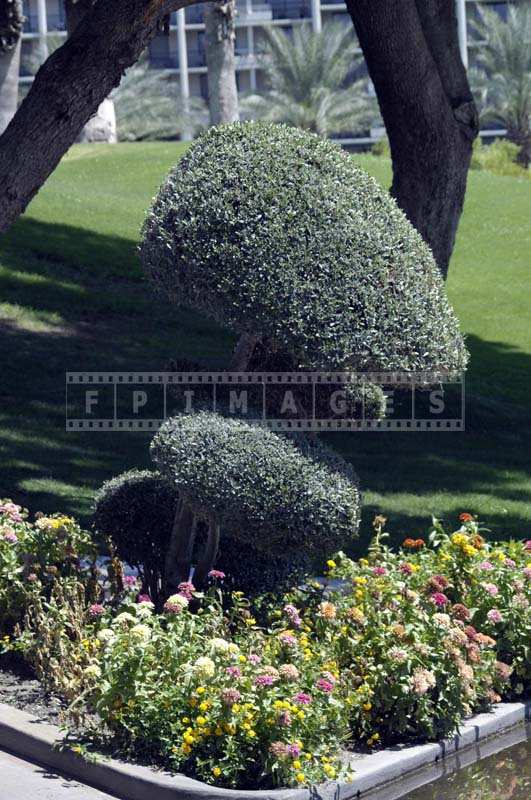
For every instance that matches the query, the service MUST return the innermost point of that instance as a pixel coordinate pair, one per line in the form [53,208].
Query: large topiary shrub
[277,495]
[136,511]
[281,495]
[275,232]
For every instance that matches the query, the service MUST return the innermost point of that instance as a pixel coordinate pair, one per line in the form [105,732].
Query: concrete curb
[24,736]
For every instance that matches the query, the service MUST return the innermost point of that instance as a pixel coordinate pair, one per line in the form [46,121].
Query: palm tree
[148,106]
[11,22]
[502,77]
[310,81]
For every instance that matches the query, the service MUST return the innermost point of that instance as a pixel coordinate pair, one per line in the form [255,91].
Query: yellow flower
[367,706]
[186,749]
[189,738]
[251,734]
[201,721]
[200,690]
[301,715]
[363,562]
[468,550]
[242,659]
[218,731]
[297,765]
[205,705]
[216,772]
[331,564]
[360,581]
[330,771]
[300,777]
[236,708]
[250,621]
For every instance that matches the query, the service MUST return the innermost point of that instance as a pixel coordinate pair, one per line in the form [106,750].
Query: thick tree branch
[67,91]
[412,54]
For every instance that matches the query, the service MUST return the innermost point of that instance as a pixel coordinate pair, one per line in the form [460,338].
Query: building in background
[181,52]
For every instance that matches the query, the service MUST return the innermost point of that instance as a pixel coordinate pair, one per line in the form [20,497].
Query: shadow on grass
[112,321]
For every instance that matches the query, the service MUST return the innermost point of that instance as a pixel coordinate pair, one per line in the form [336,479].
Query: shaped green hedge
[273,230]
[277,494]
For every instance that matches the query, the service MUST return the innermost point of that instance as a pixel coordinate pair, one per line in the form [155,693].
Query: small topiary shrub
[273,231]
[136,511]
[277,495]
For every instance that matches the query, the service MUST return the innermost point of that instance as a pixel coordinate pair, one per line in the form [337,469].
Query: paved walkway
[22,780]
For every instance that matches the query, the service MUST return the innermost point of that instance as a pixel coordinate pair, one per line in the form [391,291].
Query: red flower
[465,517]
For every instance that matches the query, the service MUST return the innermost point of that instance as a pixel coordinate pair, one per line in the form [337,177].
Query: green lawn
[73,297]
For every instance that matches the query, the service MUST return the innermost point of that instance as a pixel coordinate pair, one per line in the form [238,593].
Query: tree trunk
[178,560]
[209,555]
[412,54]
[220,36]
[67,91]
[11,22]
[102,126]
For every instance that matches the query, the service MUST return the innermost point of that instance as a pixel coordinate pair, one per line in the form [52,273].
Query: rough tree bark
[68,89]
[101,127]
[11,22]
[220,36]
[412,53]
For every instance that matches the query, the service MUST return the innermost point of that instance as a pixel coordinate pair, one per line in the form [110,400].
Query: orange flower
[465,517]
[409,543]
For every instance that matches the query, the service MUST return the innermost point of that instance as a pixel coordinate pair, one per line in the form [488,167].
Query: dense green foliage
[72,289]
[136,511]
[277,494]
[274,230]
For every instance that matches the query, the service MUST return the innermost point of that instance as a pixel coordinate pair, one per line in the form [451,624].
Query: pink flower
[325,686]
[494,615]
[527,545]
[491,588]
[287,639]
[379,571]
[510,563]
[143,598]
[186,589]
[96,610]
[12,511]
[11,537]
[130,581]
[439,599]
[293,615]
[216,574]
[302,699]
[264,680]
[254,659]
[230,696]
[294,750]
[284,719]
[32,577]
[486,565]
[406,568]
[234,672]
[527,572]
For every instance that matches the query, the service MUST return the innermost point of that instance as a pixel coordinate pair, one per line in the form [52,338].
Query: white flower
[144,610]
[220,645]
[92,671]
[106,635]
[205,666]
[141,632]
[125,618]
[443,620]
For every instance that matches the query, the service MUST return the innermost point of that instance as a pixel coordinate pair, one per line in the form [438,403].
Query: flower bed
[398,646]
